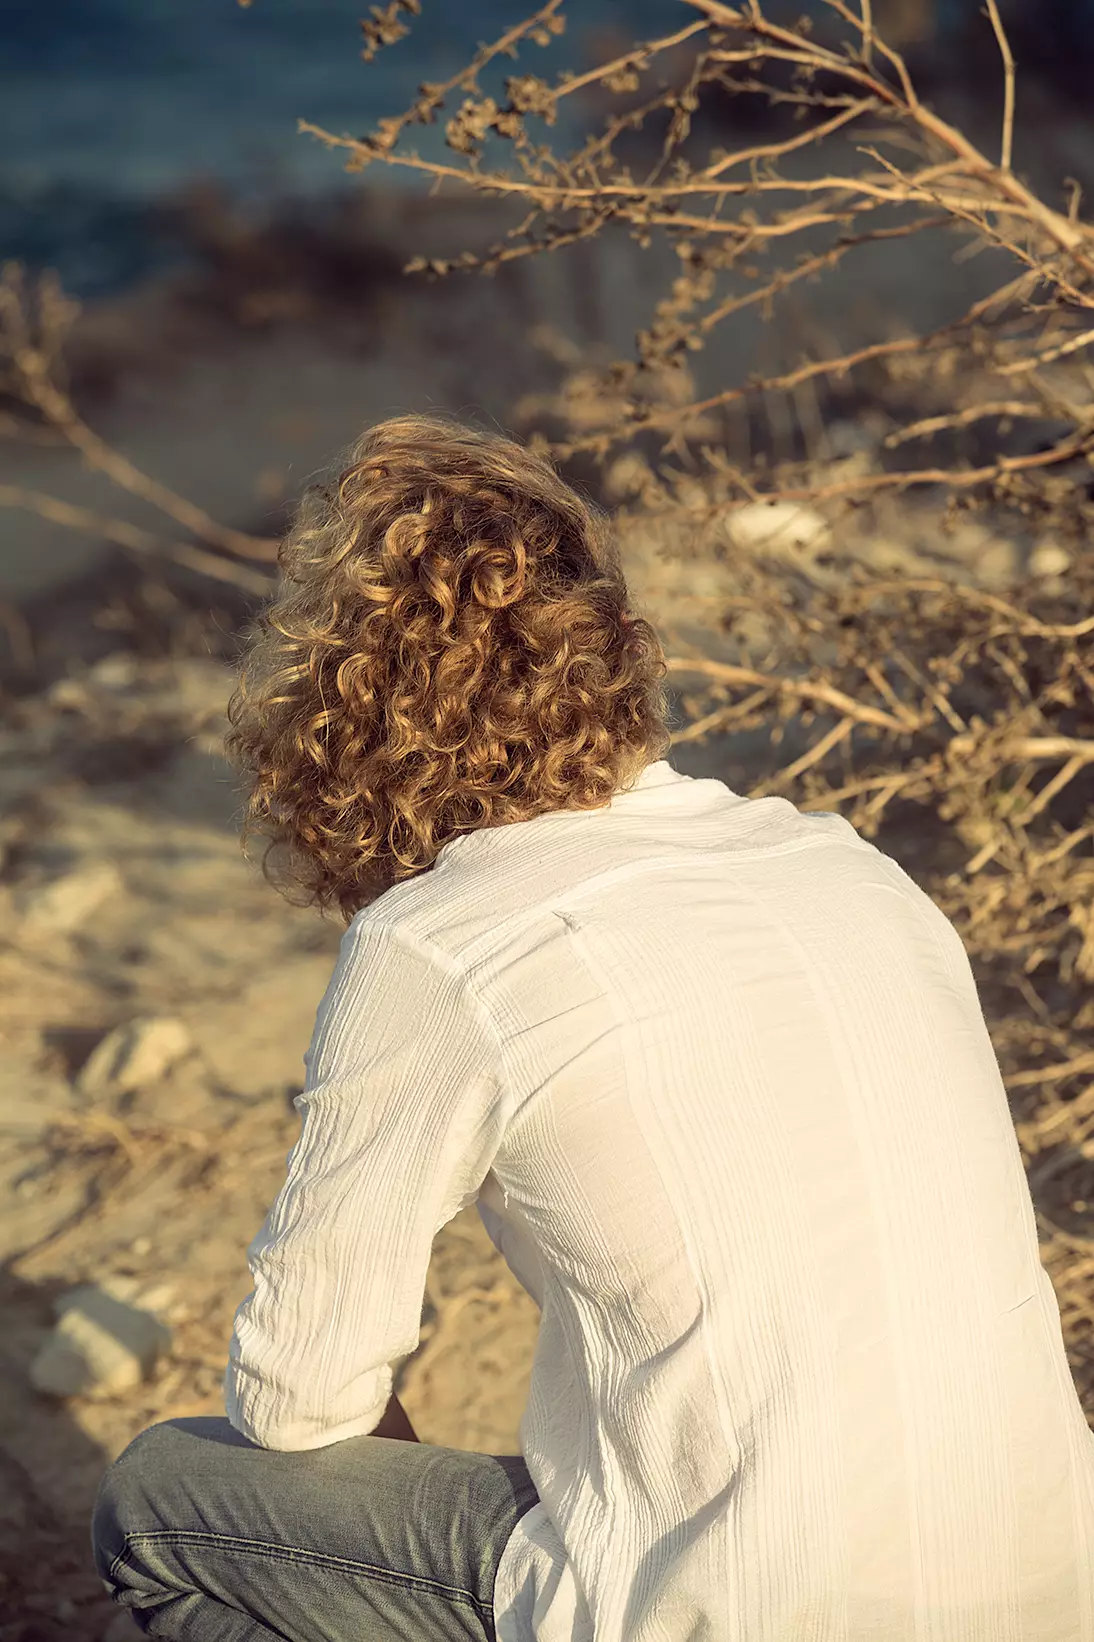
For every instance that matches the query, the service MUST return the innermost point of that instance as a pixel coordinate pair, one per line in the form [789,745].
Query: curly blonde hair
[451,647]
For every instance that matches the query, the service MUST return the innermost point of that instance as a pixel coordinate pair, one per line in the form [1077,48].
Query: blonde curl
[451,647]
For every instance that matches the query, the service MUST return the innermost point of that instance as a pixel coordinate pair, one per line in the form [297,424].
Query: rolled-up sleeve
[402,1113]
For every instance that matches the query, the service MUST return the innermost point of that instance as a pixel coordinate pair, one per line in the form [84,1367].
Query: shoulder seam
[431,950]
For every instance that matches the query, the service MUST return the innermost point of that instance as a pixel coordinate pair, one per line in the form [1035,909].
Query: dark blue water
[109,107]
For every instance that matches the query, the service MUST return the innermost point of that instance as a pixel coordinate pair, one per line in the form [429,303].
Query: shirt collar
[658,774]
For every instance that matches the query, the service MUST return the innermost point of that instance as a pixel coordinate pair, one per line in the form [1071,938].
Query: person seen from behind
[714,1072]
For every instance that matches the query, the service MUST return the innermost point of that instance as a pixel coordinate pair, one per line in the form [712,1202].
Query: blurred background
[224,309]
[153,162]
[115,114]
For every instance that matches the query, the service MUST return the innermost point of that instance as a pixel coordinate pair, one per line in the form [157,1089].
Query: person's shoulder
[775,823]
[451,910]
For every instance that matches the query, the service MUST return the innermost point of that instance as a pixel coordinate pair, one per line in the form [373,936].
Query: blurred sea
[111,107]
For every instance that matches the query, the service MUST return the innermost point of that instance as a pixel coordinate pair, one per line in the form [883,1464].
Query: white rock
[997,562]
[131,1290]
[100,1346]
[778,527]
[68,692]
[965,537]
[67,901]
[134,1055]
[159,1299]
[988,557]
[117,671]
[1049,559]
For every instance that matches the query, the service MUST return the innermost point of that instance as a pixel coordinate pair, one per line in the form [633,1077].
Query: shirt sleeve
[402,1117]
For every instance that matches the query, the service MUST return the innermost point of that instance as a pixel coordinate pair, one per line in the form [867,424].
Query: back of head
[451,647]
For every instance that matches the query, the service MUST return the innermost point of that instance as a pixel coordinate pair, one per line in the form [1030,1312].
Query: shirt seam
[550,903]
[434,952]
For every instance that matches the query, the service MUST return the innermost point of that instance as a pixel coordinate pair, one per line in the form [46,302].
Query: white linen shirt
[716,1074]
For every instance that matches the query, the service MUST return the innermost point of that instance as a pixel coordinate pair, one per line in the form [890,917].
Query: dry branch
[31,339]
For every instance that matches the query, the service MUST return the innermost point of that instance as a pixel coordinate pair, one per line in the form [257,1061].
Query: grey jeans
[206,1537]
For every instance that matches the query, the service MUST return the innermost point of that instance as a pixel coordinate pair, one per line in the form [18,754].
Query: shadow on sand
[49,1473]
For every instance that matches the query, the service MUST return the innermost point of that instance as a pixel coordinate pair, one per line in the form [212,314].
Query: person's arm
[401,1121]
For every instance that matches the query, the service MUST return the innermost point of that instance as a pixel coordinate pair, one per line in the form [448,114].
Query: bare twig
[856,711]
[928,425]
[867,33]
[1007,144]
[34,381]
[131,537]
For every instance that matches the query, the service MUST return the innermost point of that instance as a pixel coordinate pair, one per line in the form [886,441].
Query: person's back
[800,1374]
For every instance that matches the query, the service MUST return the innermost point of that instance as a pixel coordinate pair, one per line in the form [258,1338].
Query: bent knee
[142,1491]
[124,1503]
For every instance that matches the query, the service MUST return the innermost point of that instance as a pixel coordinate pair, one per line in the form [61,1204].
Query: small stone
[134,1055]
[68,692]
[778,527]
[1049,559]
[67,901]
[114,672]
[887,554]
[967,539]
[997,562]
[99,1346]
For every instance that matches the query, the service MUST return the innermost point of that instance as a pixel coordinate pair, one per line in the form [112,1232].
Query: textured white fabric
[716,1073]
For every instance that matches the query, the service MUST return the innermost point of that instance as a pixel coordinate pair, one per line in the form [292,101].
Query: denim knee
[123,1504]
